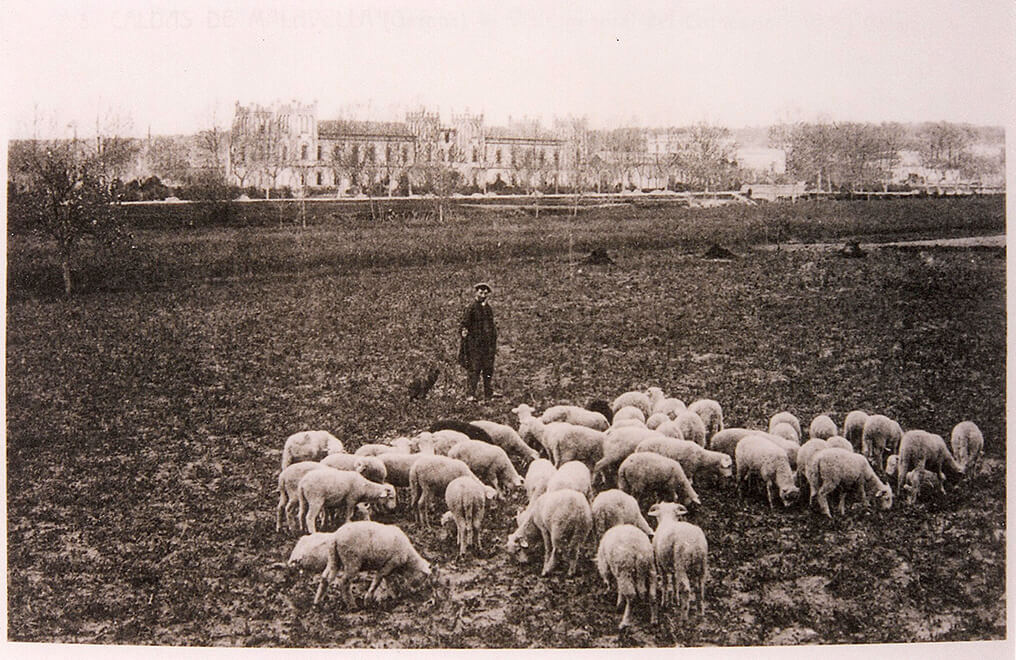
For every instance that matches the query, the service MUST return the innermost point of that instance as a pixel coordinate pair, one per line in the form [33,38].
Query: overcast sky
[174,65]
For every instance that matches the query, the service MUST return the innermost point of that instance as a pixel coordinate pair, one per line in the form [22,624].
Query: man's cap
[482,285]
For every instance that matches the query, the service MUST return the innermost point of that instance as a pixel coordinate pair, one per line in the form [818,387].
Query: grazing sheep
[327,487]
[967,442]
[712,416]
[879,435]
[661,403]
[289,480]
[786,431]
[830,469]
[309,446]
[920,481]
[616,507]
[790,447]
[693,459]
[692,427]
[671,430]
[726,440]
[421,384]
[657,419]
[469,429]
[371,467]
[920,449]
[636,399]
[466,498]
[626,555]
[839,442]
[508,439]
[428,478]
[679,547]
[648,473]
[311,552]
[758,454]
[822,427]
[539,473]
[397,467]
[445,439]
[574,475]
[564,520]
[892,465]
[575,415]
[366,545]
[618,444]
[853,427]
[488,462]
[562,441]
[629,412]
[784,416]
[603,407]
[398,445]
[804,456]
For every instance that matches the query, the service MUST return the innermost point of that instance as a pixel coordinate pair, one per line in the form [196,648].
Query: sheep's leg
[684,594]
[326,576]
[549,553]
[769,493]
[280,510]
[862,495]
[626,617]
[823,502]
[462,527]
[702,584]
[652,598]
[313,509]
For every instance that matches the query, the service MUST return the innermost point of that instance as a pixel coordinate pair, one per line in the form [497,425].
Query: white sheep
[648,473]
[401,445]
[639,400]
[289,480]
[310,554]
[575,415]
[967,443]
[563,442]
[679,548]
[488,462]
[366,545]
[371,467]
[625,556]
[670,429]
[920,481]
[834,468]
[822,427]
[880,435]
[564,519]
[343,490]
[758,454]
[629,412]
[616,507]
[466,498]
[508,439]
[309,446]
[804,456]
[630,421]
[839,442]
[693,458]
[923,450]
[618,444]
[726,440]
[397,467]
[657,419]
[892,465]
[786,431]
[661,403]
[428,478]
[790,447]
[692,427]
[853,427]
[539,473]
[788,417]
[574,475]
[712,416]
[445,439]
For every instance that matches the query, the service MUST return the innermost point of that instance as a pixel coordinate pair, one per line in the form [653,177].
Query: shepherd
[479,342]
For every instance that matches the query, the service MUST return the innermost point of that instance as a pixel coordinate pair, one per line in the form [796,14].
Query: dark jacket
[479,345]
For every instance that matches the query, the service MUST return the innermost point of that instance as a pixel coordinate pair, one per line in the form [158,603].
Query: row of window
[339,153]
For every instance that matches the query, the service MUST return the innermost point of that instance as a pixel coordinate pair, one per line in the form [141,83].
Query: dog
[420,386]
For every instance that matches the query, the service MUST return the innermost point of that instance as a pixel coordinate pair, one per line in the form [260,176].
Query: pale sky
[175,65]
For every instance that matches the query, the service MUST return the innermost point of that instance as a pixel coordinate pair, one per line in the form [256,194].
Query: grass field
[146,415]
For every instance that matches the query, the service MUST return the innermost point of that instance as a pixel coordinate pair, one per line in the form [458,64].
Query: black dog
[420,386]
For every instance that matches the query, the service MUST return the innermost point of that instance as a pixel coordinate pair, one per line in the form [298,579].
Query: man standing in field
[479,342]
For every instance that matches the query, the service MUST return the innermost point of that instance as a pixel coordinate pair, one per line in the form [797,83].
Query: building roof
[352,127]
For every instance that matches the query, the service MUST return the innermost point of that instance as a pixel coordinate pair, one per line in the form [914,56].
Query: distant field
[145,416]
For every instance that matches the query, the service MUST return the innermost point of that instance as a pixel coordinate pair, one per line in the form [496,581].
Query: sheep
[671,430]
[618,444]
[601,406]
[289,480]
[469,429]
[564,519]
[712,416]
[309,446]
[879,435]
[615,507]
[919,481]
[371,467]
[327,487]
[657,419]
[786,431]
[822,427]
[839,442]
[428,479]
[636,399]
[679,547]
[625,554]
[830,469]
[804,456]
[669,406]
[562,441]
[631,421]
[892,464]
[372,546]
[629,412]
[466,498]
[759,454]
[920,449]
[575,415]
[508,439]
[539,473]
[397,467]
[693,458]
[784,416]
[853,427]
[573,475]
[648,473]
[488,462]
[790,447]
[967,442]
[445,439]
[726,440]
[692,427]
[311,552]
[398,445]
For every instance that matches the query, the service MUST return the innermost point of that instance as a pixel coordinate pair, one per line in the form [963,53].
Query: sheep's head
[387,496]
[892,465]
[885,497]
[490,493]
[517,546]
[726,466]
[664,510]
[655,394]
[789,495]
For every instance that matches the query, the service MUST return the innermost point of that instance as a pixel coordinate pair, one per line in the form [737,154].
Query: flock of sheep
[590,473]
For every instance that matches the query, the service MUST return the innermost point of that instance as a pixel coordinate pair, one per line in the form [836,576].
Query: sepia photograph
[516,326]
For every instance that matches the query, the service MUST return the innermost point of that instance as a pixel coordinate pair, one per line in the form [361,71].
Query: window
[319,154]
[354,155]
[319,178]
[557,159]
[542,157]
[388,153]
[371,154]
[303,152]
[497,157]
[337,152]
[405,154]
[474,155]
[285,155]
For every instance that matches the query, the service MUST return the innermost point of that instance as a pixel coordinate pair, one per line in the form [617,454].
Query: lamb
[309,446]
[758,454]
[289,480]
[626,555]
[879,435]
[647,473]
[371,467]
[853,427]
[629,412]
[575,415]
[445,439]
[839,442]
[615,507]
[804,456]
[726,440]
[636,399]
[573,475]
[712,416]
[564,520]
[539,473]
[508,439]
[372,546]
[428,479]
[398,445]
[784,416]
[692,427]
[920,449]
[679,547]
[466,498]
[630,421]
[618,444]
[693,459]
[892,465]
[669,406]
[967,442]
[671,430]
[488,462]
[311,552]
[327,487]
[786,431]
[920,481]
[830,469]
[822,427]
[657,419]
[397,467]
[563,442]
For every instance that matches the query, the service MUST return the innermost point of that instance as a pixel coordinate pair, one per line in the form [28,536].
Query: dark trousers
[473,375]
